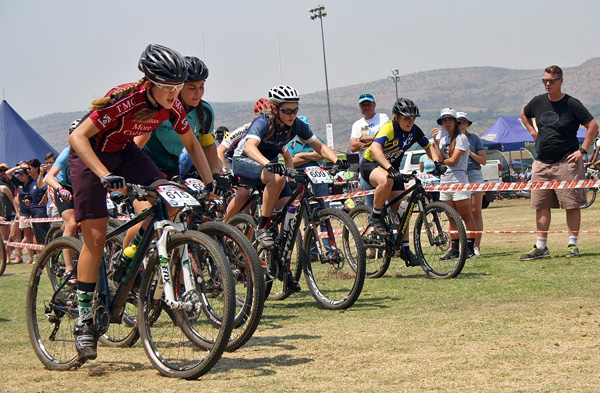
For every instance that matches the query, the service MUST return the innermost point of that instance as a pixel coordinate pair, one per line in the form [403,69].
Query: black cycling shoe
[409,258]
[292,283]
[86,341]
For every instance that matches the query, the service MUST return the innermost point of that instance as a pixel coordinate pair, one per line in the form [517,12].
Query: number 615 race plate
[176,197]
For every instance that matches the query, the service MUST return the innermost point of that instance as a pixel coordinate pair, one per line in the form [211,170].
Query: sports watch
[583,151]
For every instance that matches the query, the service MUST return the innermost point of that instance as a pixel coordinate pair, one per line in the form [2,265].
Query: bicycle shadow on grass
[258,366]
[109,367]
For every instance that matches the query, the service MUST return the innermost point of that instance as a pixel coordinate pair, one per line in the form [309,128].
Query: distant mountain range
[484,92]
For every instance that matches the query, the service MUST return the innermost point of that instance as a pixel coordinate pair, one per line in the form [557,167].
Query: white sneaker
[476,251]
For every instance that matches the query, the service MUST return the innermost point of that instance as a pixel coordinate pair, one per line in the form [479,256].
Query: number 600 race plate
[318,175]
[176,197]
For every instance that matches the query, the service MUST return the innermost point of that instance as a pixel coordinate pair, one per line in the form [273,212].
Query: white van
[492,170]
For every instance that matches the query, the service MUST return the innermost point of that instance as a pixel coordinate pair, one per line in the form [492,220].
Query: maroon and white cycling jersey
[117,126]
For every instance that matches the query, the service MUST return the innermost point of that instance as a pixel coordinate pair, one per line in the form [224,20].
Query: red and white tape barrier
[515,186]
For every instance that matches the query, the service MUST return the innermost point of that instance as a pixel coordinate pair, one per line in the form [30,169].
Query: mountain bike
[336,275]
[435,225]
[185,298]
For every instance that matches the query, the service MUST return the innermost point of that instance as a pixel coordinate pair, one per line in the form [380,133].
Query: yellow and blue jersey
[394,142]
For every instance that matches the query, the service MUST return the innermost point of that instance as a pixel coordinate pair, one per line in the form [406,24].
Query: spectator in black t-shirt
[559,157]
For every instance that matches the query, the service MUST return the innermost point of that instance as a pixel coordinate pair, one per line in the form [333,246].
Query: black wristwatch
[583,151]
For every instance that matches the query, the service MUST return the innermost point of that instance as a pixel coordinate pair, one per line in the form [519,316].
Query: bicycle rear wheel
[186,340]
[440,220]
[124,333]
[337,278]
[51,314]
[379,249]
[248,278]
[55,231]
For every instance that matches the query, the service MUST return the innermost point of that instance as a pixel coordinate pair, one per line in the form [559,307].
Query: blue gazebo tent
[18,141]
[510,132]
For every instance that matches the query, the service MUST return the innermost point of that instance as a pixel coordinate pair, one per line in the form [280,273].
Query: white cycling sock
[573,240]
[541,243]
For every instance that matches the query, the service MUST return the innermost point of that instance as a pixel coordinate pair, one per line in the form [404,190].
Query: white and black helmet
[162,64]
[73,125]
[283,93]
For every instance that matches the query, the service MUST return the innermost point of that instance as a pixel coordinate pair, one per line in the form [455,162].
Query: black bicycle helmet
[406,107]
[197,70]
[283,93]
[162,64]
[73,126]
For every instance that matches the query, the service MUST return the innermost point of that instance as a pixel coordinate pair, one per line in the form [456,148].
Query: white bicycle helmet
[283,93]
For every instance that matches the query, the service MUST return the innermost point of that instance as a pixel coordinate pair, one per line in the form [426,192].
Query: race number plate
[194,184]
[318,175]
[176,197]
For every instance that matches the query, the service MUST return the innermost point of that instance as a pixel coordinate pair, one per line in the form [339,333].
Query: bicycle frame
[160,225]
[416,198]
[306,198]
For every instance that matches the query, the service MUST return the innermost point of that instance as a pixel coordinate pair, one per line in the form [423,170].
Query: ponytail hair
[455,135]
[200,110]
[271,116]
[142,115]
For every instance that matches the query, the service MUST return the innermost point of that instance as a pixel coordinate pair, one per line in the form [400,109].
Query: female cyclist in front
[455,146]
[381,162]
[103,155]
[255,159]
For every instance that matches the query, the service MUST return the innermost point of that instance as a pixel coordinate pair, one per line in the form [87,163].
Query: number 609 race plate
[318,175]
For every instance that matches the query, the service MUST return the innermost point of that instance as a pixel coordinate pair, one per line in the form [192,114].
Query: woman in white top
[455,146]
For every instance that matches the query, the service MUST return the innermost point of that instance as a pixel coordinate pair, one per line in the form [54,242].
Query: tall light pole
[395,78]
[317,12]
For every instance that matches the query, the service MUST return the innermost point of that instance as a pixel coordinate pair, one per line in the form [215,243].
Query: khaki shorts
[23,225]
[553,199]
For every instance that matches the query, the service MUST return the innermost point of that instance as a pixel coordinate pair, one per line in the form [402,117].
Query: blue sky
[57,56]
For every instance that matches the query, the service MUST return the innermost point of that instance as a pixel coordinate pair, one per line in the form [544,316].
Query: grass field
[501,326]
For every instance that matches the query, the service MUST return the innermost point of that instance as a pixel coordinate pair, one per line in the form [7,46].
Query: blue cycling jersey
[63,177]
[276,143]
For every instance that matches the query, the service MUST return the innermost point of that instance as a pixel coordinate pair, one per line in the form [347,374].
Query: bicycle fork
[166,228]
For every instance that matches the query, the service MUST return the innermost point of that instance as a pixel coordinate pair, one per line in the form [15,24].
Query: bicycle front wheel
[52,312]
[336,278]
[379,249]
[442,223]
[248,278]
[185,339]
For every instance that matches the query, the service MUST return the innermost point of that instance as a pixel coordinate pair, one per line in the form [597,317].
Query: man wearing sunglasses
[559,157]
[363,133]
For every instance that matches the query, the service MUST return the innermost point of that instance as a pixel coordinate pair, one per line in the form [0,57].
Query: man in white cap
[364,131]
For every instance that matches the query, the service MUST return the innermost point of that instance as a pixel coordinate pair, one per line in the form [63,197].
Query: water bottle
[287,222]
[124,265]
[402,208]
